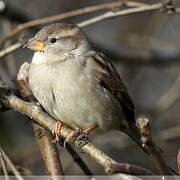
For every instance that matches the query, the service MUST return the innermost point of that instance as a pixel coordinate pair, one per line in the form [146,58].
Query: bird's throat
[38,58]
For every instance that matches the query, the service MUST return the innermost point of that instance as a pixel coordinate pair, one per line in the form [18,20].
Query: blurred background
[144,47]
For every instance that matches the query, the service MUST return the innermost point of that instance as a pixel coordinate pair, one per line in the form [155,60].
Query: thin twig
[73,13]
[4,168]
[11,165]
[38,115]
[78,160]
[10,49]
[138,7]
[48,149]
[112,14]
[49,152]
[51,19]
[10,60]
[147,142]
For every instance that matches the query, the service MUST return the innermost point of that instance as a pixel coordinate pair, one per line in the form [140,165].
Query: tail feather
[134,134]
[132,130]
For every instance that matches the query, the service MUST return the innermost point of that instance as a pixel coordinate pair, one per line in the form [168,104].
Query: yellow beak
[35,45]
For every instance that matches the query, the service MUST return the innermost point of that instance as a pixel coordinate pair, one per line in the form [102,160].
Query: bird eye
[53,40]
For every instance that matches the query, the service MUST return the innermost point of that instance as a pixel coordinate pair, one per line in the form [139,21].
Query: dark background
[144,47]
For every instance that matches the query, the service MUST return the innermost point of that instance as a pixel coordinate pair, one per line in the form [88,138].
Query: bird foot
[89,129]
[82,140]
[78,137]
[57,126]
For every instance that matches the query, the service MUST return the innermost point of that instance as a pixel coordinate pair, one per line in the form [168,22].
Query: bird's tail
[134,134]
[131,129]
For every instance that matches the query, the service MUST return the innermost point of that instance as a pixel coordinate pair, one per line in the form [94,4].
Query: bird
[77,84]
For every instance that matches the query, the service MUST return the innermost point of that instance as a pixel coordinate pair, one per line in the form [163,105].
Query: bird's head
[58,40]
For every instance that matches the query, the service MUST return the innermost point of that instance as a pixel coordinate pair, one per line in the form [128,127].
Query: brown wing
[111,80]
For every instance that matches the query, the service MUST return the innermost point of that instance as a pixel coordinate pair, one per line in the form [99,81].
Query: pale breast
[80,99]
[72,95]
[40,84]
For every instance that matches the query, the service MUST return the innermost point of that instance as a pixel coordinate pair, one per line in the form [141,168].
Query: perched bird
[78,85]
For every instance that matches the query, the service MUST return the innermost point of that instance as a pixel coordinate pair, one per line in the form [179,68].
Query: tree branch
[3,164]
[73,13]
[11,165]
[78,160]
[38,115]
[49,152]
[134,7]
[10,49]
[147,142]
[112,14]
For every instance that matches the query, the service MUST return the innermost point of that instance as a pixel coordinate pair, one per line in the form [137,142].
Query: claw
[73,135]
[79,136]
[82,140]
[57,126]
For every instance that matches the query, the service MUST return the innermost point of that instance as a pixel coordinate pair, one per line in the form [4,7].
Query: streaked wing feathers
[111,80]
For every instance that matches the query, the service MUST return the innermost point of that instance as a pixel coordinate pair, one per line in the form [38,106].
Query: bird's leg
[72,136]
[89,129]
[57,126]
[80,136]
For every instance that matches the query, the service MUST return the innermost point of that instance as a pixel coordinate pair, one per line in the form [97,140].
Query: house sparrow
[78,85]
